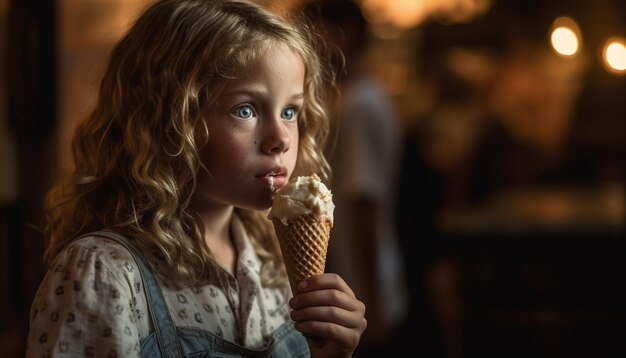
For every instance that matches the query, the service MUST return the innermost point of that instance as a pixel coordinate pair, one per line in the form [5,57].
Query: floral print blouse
[92,303]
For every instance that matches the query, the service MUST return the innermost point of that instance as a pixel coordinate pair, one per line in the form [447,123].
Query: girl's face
[253,134]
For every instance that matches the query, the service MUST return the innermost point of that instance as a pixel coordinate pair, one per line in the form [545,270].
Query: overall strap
[164,327]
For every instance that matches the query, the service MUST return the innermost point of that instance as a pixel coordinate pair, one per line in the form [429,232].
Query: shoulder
[98,245]
[91,298]
[97,252]
[93,261]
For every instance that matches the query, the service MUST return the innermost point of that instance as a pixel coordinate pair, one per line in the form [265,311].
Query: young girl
[159,243]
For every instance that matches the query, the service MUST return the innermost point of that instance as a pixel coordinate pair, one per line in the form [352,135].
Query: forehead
[277,63]
[250,57]
[278,57]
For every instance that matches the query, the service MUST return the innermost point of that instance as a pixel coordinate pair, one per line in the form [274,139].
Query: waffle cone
[303,243]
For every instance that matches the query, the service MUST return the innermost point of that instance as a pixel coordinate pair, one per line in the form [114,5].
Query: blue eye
[245,112]
[288,113]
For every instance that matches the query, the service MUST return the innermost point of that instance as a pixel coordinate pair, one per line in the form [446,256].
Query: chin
[258,205]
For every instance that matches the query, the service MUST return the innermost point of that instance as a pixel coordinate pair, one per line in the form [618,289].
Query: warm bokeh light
[565,36]
[614,55]
[405,14]
[564,41]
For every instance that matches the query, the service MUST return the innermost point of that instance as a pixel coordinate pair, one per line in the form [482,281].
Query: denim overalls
[167,340]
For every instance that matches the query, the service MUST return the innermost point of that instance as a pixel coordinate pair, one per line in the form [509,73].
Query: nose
[276,138]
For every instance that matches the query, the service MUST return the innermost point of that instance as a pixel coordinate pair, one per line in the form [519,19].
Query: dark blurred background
[511,203]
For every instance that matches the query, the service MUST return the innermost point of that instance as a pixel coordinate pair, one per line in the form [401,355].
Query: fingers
[345,337]
[329,306]
[325,297]
[326,314]
[325,281]
[326,307]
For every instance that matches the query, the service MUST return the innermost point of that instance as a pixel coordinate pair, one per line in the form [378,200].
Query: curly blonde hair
[136,156]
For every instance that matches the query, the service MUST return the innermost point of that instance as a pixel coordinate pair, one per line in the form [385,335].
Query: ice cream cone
[303,243]
[302,213]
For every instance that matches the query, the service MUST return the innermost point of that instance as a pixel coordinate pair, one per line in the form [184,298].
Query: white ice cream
[301,196]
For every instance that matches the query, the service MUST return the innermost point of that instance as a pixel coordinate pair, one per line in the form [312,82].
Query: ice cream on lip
[302,196]
[274,178]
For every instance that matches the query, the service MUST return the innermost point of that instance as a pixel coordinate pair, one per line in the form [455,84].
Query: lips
[274,178]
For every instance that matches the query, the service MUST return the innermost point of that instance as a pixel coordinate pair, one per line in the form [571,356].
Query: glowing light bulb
[565,36]
[614,55]
[564,41]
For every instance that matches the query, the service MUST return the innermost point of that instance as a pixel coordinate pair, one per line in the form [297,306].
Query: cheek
[292,155]
[226,158]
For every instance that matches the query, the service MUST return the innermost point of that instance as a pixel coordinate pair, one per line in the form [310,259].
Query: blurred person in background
[501,104]
[363,247]
[497,109]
